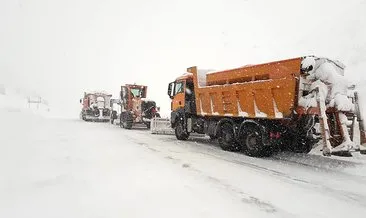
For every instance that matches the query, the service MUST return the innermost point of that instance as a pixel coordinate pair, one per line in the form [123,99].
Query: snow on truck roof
[96,92]
[253,65]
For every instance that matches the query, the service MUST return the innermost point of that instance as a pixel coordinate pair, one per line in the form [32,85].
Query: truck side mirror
[143,92]
[170,90]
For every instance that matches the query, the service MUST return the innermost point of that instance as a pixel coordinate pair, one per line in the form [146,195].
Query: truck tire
[126,121]
[181,132]
[251,142]
[226,137]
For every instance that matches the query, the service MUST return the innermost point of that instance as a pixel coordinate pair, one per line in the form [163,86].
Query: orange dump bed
[265,90]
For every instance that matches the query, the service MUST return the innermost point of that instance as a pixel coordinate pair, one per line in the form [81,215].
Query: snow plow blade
[161,126]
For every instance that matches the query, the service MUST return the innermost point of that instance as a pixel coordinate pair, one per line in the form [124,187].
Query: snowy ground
[71,168]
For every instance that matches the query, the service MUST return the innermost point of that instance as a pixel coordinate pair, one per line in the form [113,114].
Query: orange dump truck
[252,108]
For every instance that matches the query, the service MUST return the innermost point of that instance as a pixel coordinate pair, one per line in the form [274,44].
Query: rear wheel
[251,142]
[226,137]
[181,132]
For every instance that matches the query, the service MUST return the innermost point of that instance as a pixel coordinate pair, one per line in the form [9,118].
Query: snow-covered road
[71,168]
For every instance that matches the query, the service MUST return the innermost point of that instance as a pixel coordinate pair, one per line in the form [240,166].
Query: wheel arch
[176,116]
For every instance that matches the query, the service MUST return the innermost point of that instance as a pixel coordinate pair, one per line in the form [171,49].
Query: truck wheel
[226,137]
[82,116]
[251,142]
[180,132]
[126,121]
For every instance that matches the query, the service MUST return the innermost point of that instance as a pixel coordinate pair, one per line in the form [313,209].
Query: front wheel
[126,121]
[181,132]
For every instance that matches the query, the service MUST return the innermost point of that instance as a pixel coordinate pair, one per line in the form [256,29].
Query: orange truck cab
[253,108]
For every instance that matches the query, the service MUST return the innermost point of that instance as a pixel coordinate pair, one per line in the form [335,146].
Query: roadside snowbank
[12,100]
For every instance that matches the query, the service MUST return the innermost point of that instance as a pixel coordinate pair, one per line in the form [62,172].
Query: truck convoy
[254,109]
[95,106]
[135,108]
[257,109]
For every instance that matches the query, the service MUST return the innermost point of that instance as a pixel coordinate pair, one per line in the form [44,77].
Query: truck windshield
[136,92]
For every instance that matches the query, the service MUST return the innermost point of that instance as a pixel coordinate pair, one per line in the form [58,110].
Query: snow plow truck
[135,108]
[95,106]
[254,109]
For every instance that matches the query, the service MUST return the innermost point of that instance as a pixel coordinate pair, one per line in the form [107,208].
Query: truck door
[179,95]
[124,98]
[190,100]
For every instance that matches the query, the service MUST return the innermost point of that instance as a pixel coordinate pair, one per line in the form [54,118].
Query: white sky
[59,48]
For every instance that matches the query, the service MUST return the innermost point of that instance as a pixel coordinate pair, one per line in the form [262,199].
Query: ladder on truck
[331,130]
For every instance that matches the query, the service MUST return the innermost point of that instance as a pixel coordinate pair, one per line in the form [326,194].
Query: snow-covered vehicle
[135,108]
[95,106]
[254,108]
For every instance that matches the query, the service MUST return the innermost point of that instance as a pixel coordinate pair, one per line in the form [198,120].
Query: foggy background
[60,48]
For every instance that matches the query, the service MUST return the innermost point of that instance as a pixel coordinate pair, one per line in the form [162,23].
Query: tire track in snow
[242,196]
[169,147]
[228,157]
